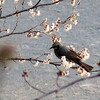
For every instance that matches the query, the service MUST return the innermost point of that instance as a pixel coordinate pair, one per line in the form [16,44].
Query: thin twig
[66,86]
[29,59]
[74,9]
[15,25]
[33,87]
[42,5]
[57,81]
[95,71]
[10,34]
[33,7]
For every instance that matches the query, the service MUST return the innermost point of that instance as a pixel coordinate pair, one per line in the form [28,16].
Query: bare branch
[15,25]
[33,7]
[33,87]
[42,5]
[66,86]
[10,34]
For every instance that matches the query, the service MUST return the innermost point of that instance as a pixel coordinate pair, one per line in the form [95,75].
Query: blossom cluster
[72,20]
[54,38]
[67,64]
[73,2]
[33,34]
[48,29]
[49,57]
[82,71]
[6,30]
[34,13]
[83,54]
[63,73]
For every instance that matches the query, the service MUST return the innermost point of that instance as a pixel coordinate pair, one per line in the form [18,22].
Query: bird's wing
[75,53]
[70,54]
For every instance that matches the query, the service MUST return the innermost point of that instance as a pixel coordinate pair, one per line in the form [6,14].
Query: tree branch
[32,86]
[66,86]
[33,7]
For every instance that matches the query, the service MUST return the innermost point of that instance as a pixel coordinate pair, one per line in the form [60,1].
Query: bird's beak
[50,47]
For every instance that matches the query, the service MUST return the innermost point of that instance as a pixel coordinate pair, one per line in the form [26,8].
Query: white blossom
[36,64]
[38,13]
[49,56]
[36,34]
[71,47]
[65,63]
[82,72]
[68,27]
[47,61]
[52,26]
[73,2]
[32,12]
[46,28]
[74,21]
[8,30]
[84,54]
[30,3]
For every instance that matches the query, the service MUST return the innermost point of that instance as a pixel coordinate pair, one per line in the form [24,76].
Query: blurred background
[86,34]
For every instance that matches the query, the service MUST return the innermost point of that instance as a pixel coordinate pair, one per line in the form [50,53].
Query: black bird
[70,55]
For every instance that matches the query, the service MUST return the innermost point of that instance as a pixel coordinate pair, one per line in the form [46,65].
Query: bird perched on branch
[70,55]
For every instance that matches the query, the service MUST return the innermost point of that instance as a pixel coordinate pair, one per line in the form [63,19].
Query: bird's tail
[87,67]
